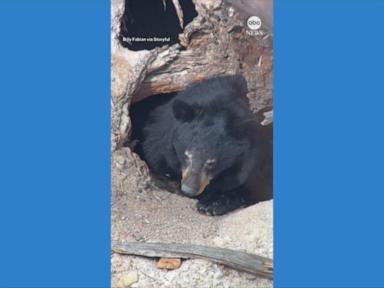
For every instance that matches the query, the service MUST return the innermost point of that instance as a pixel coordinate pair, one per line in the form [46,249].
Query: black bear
[207,138]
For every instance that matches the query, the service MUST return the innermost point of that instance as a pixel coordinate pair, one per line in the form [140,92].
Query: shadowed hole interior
[139,113]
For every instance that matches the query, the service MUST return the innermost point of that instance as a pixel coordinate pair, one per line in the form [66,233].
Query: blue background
[54,156]
[329,143]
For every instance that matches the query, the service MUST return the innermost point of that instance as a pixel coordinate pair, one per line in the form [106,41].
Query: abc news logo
[254,23]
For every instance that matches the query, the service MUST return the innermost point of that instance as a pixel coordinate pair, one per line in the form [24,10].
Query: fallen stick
[251,263]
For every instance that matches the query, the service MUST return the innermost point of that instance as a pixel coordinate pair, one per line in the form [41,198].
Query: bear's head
[209,140]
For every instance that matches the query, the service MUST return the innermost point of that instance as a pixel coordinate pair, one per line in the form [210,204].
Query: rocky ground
[143,212]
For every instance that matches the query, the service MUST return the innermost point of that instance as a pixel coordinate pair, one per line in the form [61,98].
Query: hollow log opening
[140,115]
[147,24]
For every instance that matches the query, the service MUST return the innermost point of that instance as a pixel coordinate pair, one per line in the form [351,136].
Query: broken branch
[251,263]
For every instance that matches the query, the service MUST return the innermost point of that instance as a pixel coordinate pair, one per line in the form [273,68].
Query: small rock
[128,279]
[169,263]
[218,275]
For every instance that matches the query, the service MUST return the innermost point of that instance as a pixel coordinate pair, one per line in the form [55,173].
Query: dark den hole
[139,113]
[147,24]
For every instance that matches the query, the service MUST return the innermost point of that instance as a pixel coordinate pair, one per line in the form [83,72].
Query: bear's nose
[187,190]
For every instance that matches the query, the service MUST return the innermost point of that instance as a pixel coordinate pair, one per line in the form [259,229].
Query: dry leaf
[169,263]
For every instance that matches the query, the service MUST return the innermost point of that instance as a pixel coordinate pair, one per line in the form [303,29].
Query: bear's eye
[210,163]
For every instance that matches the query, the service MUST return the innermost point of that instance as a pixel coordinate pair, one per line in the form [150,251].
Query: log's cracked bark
[216,43]
[179,12]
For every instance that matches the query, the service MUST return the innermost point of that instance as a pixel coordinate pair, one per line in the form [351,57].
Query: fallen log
[238,260]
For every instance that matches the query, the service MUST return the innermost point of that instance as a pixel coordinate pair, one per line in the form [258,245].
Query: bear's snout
[188,191]
[192,183]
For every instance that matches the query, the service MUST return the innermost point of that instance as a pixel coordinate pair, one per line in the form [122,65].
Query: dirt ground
[143,212]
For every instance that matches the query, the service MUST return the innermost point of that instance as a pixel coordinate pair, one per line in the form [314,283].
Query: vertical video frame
[192,143]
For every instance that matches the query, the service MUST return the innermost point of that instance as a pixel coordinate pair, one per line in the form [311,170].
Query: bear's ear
[182,111]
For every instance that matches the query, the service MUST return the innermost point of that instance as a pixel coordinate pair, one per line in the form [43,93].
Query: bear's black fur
[207,138]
